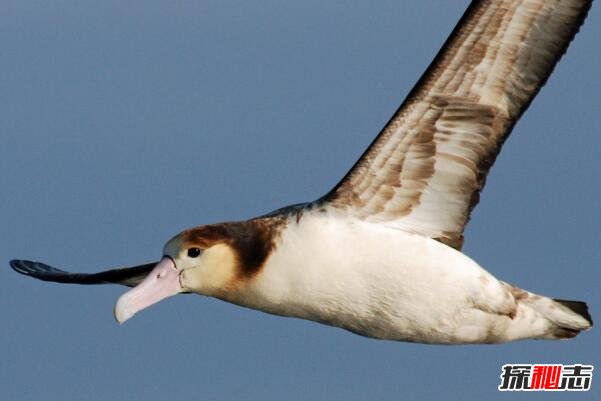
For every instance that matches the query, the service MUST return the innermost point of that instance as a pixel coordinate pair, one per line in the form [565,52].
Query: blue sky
[125,122]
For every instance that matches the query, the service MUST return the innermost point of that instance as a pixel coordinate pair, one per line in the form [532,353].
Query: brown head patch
[252,240]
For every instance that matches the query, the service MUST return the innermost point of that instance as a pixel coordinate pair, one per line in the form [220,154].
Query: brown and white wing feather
[424,171]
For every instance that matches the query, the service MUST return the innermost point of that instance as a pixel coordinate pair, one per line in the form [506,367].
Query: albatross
[380,254]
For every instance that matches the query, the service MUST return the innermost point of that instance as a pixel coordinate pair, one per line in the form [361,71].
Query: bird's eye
[193,252]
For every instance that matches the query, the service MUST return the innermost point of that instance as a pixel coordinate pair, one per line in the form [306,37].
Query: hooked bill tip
[123,310]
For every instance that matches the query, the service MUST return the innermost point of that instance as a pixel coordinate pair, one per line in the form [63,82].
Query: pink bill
[162,282]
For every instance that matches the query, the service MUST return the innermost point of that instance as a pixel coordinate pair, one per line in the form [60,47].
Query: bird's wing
[424,171]
[129,276]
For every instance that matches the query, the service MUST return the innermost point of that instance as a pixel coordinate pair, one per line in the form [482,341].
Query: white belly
[378,282]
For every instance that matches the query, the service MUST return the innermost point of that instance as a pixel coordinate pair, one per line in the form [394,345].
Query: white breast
[376,281]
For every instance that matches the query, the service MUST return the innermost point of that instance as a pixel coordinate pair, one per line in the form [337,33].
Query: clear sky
[124,122]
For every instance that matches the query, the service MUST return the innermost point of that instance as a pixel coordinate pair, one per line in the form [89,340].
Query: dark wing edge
[128,276]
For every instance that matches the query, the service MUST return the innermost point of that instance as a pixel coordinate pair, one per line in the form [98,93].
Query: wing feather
[425,170]
[129,276]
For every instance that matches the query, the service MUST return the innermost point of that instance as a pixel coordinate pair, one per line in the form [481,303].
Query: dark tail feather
[580,308]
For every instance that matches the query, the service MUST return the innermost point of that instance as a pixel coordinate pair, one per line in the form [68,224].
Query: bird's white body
[386,283]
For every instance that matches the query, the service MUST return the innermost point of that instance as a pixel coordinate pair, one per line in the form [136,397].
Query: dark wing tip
[16,265]
[35,269]
[130,276]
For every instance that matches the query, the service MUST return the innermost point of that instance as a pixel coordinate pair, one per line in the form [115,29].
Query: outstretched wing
[129,276]
[424,171]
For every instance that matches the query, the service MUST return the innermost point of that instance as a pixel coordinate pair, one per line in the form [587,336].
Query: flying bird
[380,254]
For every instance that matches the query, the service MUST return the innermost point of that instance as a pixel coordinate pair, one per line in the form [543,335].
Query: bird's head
[214,260]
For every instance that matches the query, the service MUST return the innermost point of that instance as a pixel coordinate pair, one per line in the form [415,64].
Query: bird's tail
[541,317]
[569,317]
